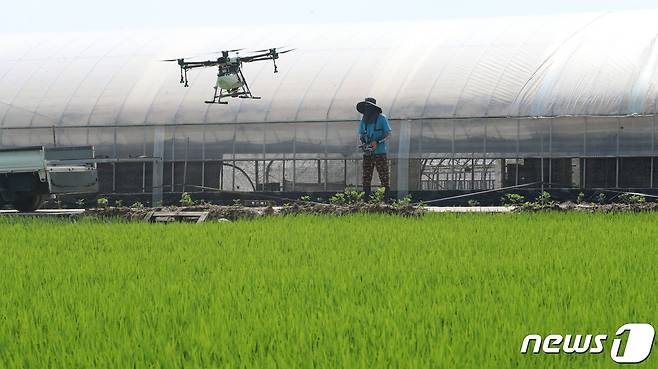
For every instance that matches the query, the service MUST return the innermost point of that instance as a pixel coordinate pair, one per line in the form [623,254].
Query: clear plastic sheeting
[474,103]
[584,64]
[453,138]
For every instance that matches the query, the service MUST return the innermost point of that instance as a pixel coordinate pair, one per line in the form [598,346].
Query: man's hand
[373,144]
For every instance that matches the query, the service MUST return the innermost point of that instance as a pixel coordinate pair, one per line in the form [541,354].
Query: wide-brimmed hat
[369,101]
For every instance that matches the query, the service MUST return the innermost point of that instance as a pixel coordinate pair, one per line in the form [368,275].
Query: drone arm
[185,66]
[194,65]
[257,58]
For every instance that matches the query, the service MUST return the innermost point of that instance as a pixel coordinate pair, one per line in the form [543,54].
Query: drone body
[230,79]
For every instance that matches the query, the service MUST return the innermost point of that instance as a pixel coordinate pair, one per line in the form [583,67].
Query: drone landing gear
[217,99]
[243,92]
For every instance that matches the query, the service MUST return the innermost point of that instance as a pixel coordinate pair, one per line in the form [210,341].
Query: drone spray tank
[228,78]
[229,81]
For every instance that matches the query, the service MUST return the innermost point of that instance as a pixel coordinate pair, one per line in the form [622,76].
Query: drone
[230,79]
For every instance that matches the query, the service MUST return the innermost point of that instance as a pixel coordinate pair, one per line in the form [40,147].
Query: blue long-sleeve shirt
[372,132]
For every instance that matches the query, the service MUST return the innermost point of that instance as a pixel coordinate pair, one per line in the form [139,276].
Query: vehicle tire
[28,203]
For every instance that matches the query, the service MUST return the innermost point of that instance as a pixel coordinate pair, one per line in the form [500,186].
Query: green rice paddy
[441,291]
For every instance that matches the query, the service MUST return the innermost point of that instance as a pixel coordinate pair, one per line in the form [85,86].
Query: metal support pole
[653,151]
[518,149]
[550,155]
[158,167]
[187,149]
[221,174]
[453,185]
[233,156]
[173,161]
[114,155]
[357,165]
[326,153]
[584,159]
[617,172]
[144,164]
[484,159]
[326,174]
[619,129]
[473,173]
[402,164]
[256,170]
[265,168]
[203,160]
[541,144]
[294,159]
[584,172]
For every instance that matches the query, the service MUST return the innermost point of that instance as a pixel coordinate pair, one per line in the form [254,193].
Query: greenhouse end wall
[568,101]
[426,155]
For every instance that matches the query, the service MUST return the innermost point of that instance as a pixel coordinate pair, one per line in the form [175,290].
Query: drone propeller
[200,55]
[270,49]
[285,51]
[224,51]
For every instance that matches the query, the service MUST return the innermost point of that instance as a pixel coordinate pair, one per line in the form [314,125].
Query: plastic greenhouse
[567,100]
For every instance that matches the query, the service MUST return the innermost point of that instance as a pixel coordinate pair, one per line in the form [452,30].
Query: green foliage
[137,205]
[473,203]
[543,202]
[545,198]
[80,203]
[441,291]
[632,199]
[347,198]
[337,199]
[237,202]
[102,202]
[378,196]
[305,198]
[186,200]
[353,197]
[402,203]
[513,199]
[581,198]
[601,198]
[118,203]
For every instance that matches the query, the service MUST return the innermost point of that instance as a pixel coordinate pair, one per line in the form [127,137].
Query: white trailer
[28,176]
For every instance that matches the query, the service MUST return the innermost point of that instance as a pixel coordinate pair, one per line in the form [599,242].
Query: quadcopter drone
[230,80]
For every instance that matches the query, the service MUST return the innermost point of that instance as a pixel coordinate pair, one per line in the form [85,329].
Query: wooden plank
[170,216]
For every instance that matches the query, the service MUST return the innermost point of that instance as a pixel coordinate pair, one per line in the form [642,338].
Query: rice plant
[441,291]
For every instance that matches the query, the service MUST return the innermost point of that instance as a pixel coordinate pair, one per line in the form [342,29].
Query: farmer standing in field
[374,131]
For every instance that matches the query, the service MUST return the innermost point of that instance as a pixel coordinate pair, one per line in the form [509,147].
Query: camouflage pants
[369,163]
